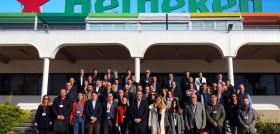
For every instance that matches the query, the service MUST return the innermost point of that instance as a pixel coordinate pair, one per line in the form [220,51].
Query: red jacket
[122,110]
[73,113]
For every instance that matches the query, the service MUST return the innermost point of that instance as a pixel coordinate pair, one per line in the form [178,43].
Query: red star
[32,5]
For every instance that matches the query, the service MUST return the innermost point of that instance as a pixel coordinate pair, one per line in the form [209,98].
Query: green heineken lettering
[217,6]
[126,6]
[201,6]
[141,6]
[244,4]
[166,8]
[69,5]
[100,8]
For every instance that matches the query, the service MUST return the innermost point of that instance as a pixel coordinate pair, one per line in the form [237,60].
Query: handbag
[59,126]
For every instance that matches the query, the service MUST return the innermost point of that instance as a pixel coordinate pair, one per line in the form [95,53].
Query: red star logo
[32,5]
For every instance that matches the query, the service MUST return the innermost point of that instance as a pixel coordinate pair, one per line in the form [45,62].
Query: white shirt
[93,103]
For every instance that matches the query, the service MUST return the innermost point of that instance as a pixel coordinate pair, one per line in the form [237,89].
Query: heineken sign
[99,7]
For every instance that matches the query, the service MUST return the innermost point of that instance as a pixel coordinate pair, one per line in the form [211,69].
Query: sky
[58,6]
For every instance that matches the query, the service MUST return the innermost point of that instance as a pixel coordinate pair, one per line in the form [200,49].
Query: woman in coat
[43,116]
[122,116]
[175,120]
[157,116]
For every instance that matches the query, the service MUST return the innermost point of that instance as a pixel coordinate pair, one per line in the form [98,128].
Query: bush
[266,126]
[11,116]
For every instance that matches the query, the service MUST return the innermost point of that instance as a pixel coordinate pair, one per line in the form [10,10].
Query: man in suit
[131,86]
[224,100]
[247,117]
[147,79]
[175,91]
[127,76]
[116,77]
[90,81]
[87,93]
[219,79]
[109,114]
[195,116]
[157,86]
[106,92]
[62,108]
[133,81]
[93,112]
[81,79]
[98,87]
[215,115]
[230,88]
[167,83]
[95,75]
[139,114]
[110,76]
[204,96]
[72,93]
[185,82]
[127,93]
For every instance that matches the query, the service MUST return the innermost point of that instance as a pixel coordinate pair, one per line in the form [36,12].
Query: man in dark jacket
[93,112]
[139,114]
[109,115]
[62,108]
[215,115]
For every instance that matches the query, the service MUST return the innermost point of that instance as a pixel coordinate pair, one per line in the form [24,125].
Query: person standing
[43,118]
[232,113]
[93,112]
[195,116]
[77,118]
[175,122]
[199,80]
[62,108]
[242,94]
[147,79]
[81,79]
[139,114]
[122,116]
[247,117]
[215,115]
[109,115]
[157,116]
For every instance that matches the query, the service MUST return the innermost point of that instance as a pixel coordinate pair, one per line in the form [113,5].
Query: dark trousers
[123,127]
[215,130]
[108,127]
[139,129]
[43,131]
[225,127]
[93,128]
[194,131]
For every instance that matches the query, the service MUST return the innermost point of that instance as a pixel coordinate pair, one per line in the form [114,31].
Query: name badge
[214,112]
[108,111]
[108,118]
[124,116]
[61,106]
[78,112]
[246,117]
[44,114]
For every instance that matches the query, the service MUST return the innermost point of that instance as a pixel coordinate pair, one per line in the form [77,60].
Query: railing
[142,28]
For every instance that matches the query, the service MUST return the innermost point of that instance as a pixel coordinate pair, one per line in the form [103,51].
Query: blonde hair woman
[43,115]
[157,116]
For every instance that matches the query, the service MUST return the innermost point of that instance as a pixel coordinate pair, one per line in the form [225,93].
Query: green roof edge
[62,15]
[113,15]
[18,14]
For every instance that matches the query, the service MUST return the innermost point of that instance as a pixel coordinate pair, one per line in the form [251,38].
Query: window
[153,26]
[119,27]
[107,26]
[131,26]
[197,25]
[208,25]
[95,26]
[221,25]
[236,25]
[178,26]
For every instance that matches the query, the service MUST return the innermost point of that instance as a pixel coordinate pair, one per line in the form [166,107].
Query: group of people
[115,105]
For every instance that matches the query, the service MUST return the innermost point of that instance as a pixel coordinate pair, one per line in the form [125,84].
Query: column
[36,23]
[230,70]
[137,69]
[45,77]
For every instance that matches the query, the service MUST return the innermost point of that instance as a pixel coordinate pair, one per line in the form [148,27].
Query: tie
[138,104]
[193,108]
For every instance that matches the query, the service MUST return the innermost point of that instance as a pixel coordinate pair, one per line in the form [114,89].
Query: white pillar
[230,70]
[137,69]
[45,77]
[36,23]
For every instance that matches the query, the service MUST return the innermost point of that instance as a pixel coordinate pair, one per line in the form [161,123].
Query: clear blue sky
[57,6]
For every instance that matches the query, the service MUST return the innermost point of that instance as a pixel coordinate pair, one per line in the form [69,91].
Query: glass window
[107,26]
[95,26]
[31,84]
[267,85]
[208,25]
[252,83]
[278,84]
[5,84]
[221,25]
[153,26]
[58,82]
[238,79]
[178,26]
[197,25]
[131,26]
[17,84]
[236,25]
[119,27]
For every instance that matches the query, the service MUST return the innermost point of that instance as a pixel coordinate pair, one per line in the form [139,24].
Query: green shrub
[11,116]
[266,126]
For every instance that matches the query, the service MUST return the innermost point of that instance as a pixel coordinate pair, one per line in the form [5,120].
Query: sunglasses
[46,98]
[153,94]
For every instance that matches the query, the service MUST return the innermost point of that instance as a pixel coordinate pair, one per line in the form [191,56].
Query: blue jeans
[79,125]
[216,130]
